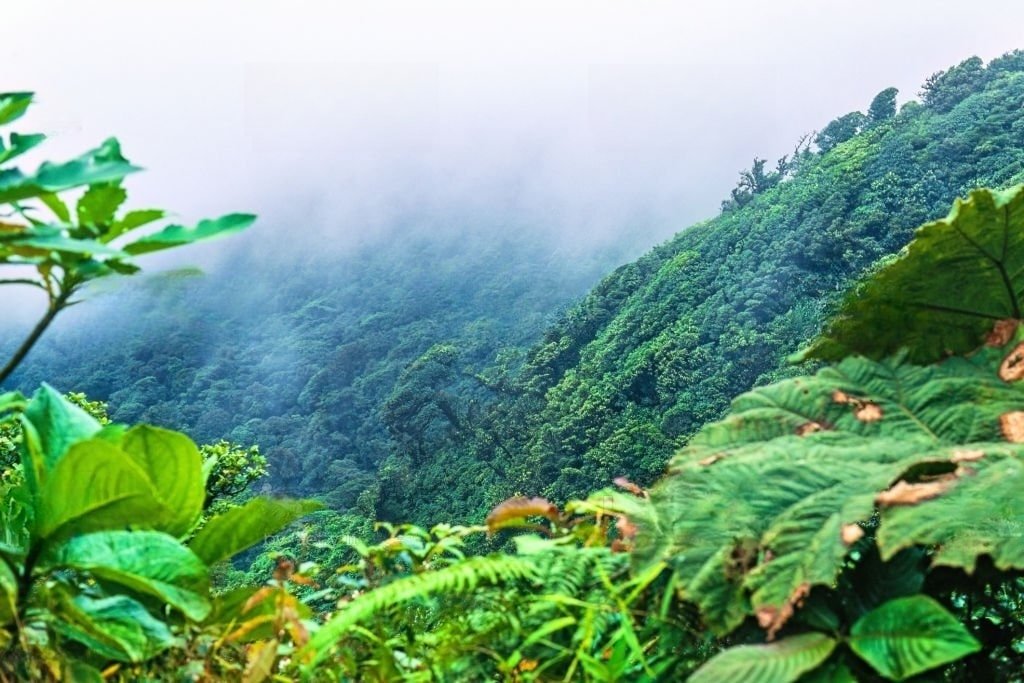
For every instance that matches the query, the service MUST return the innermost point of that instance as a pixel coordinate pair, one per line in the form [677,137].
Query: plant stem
[55,307]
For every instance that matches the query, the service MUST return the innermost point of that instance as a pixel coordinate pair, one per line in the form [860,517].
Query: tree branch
[55,307]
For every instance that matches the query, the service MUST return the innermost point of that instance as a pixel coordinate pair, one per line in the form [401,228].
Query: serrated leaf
[982,514]
[174,466]
[907,636]
[147,562]
[177,235]
[99,204]
[779,662]
[790,492]
[959,277]
[239,528]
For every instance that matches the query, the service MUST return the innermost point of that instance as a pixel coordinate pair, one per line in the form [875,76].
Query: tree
[62,249]
[944,89]
[840,130]
[883,107]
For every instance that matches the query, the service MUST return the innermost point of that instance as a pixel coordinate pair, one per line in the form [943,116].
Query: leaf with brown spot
[1002,332]
[851,533]
[513,510]
[772,619]
[967,456]
[841,397]
[868,412]
[910,494]
[627,530]
[809,428]
[626,485]
[1012,426]
[1012,367]
[710,460]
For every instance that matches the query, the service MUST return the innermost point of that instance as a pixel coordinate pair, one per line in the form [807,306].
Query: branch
[55,307]
[24,281]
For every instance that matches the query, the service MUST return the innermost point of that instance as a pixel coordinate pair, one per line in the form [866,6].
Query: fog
[584,121]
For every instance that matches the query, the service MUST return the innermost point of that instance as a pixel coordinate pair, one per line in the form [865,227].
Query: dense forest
[841,378]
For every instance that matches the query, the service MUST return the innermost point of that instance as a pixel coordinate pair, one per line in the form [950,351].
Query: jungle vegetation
[810,408]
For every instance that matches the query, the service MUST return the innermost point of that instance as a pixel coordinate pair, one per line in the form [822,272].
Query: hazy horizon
[581,120]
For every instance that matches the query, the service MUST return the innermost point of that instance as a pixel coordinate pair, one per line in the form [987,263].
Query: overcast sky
[584,118]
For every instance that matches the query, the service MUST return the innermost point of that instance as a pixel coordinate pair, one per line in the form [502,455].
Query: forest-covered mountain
[302,364]
[661,346]
[874,518]
[427,378]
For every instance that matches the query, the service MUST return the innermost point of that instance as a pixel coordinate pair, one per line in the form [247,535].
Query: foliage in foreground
[861,523]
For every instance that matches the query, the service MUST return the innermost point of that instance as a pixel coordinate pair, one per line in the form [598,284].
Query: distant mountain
[663,344]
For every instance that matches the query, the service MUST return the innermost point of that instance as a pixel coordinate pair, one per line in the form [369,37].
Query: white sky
[582,117]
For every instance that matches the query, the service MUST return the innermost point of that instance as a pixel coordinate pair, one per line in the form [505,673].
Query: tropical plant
[97,564]
[563,606]
[58,250]
[100,560]
[874,517]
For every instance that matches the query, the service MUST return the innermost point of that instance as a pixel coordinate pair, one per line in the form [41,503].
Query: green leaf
[980,513]
[797,462]
[19,144]
[148,562]
[909,635]
[56,205]
[175,468]
[177,235]
[94,487]
[99,204]
[53,238]
[13,105]
[245,526]
[943,293]
[117,628]
[101,165]
[50,425]
[779,662]
[8,594]
[130,221]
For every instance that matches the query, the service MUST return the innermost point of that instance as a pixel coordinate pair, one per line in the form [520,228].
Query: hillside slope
[662,345]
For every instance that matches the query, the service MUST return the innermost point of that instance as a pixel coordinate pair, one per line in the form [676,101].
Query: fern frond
[458,578]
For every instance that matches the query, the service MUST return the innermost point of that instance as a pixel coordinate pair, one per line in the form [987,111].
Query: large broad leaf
[245,526]
[980,512]
[175,467]
[904,637]
[799,464]
[177,235]
[147,562]
[944,292]
[116,628]
[94,487]
[50,425]
[779,662]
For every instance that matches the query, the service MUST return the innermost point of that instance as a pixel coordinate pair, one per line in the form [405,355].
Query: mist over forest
[545,341]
